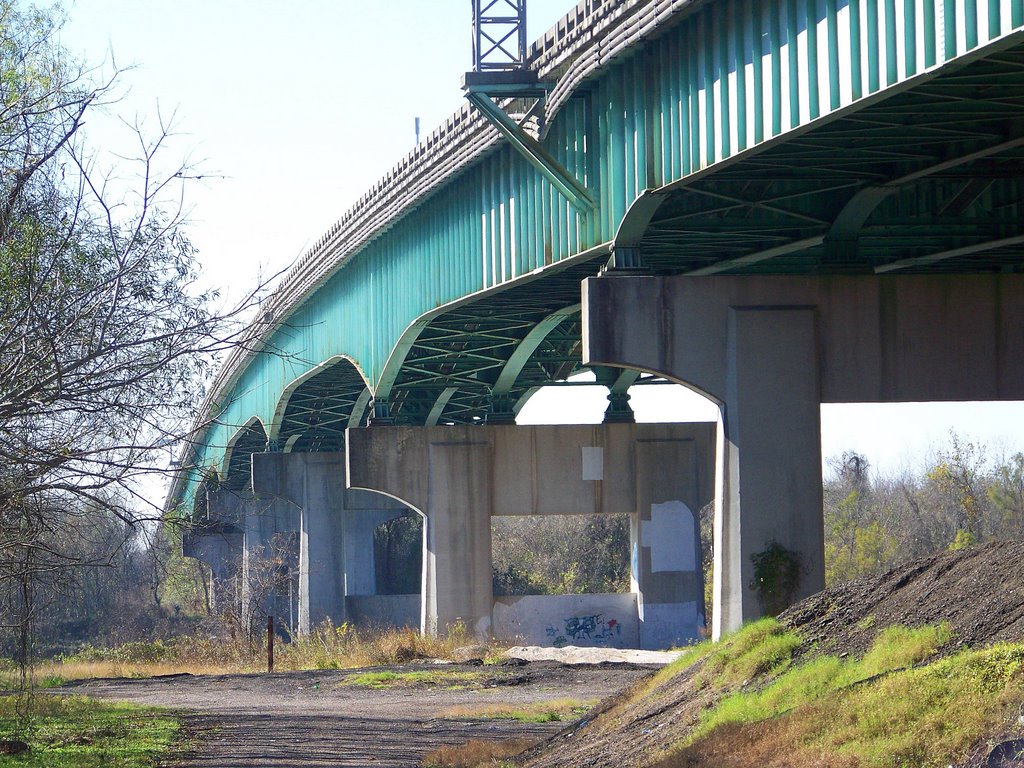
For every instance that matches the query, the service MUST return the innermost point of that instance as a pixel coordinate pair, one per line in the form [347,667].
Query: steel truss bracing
[499,35]
[930,179]
[322,407]
[251,439]
[486,358]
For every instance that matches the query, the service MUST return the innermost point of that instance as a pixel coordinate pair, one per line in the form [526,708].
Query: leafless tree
[106,334]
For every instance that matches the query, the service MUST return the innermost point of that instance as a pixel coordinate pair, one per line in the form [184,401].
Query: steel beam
[533,152]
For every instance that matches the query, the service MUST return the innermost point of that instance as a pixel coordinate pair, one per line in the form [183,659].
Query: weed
[476,752]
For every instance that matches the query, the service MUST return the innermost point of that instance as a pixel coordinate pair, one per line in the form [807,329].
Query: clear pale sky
[292,110]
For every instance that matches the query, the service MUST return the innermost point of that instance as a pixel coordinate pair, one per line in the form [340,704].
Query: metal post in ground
[270,643]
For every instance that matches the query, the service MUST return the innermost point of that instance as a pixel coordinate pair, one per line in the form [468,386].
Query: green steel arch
[713,135]
[249,439]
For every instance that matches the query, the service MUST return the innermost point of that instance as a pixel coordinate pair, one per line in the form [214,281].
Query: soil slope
[979,591]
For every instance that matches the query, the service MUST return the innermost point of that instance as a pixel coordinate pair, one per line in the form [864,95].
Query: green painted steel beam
[528,346]
[533,152]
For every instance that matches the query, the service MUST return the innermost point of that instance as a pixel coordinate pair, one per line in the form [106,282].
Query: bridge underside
[926,180]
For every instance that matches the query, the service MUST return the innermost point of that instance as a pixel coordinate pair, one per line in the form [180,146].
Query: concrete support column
[457,582]
[771,454]
[269,560]
[218,545]
[673,478]
[334,526]
[449,482]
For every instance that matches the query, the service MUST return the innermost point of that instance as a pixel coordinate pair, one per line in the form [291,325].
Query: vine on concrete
[776,577]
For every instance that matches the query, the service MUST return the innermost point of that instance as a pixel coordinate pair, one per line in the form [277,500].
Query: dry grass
[537,712]
[84,670]
[476,753]
[327,647]
[769,744]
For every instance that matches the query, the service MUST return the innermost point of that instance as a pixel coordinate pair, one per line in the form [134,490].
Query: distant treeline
[963,495]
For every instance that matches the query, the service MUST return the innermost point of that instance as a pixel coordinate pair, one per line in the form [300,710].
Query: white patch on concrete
[671,535]
[593,463]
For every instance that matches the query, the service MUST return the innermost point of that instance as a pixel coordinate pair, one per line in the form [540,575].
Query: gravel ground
[315,719]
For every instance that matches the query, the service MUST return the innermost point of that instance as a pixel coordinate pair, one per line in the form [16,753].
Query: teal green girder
[718,80]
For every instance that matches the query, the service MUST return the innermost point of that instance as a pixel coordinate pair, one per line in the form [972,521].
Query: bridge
[778,203]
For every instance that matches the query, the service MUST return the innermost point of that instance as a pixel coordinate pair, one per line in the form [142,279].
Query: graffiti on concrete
[586,629]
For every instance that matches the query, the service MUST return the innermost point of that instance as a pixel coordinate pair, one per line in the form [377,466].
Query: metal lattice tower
[499,35]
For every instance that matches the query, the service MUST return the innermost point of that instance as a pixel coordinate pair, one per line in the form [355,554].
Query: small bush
[776,577]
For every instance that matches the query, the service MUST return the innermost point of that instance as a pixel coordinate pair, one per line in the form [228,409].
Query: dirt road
[320,718]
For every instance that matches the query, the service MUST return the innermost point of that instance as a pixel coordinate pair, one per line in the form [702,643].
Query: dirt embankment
[979,591]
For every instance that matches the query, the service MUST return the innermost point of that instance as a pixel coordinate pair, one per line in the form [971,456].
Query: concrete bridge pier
[270,560]
[333,529]
[770,350]
[448,482]
[219,546]
[458,477]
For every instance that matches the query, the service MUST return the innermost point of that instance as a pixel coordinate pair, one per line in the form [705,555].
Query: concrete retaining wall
[608,620]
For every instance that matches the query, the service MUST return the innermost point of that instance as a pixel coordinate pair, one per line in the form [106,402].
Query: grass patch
[76,732]
[449,679]
[926,716]
[895,648]
[761,647]
[889,708]
[476,752]
[552,711]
